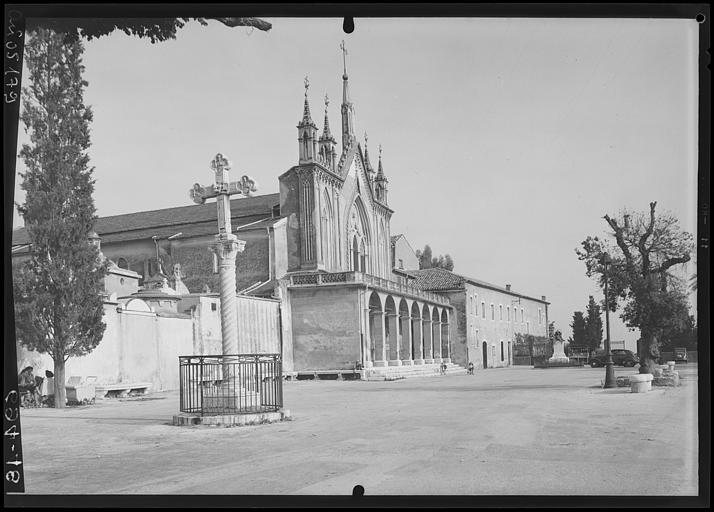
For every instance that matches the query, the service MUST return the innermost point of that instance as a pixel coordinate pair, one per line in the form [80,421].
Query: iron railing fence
[230,384]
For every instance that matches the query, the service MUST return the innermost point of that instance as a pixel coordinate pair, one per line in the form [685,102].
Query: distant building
[487,316]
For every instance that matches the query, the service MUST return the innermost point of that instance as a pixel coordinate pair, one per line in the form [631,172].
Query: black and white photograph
[381,256]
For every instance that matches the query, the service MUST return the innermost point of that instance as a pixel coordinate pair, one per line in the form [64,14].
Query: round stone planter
[641,383]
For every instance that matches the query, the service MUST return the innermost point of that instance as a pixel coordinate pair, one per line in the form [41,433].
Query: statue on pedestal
[558,346]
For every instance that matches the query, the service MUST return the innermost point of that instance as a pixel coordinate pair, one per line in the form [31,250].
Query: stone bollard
[641,383]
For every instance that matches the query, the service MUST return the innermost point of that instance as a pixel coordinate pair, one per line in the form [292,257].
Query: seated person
[26,380]
[471,368]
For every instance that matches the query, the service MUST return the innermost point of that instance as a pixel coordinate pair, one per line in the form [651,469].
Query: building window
[483,309]
[493,312]
[502,354]
[522,317]
[508,313]
[471,307]
[540,316]
[401,264]
[500,311]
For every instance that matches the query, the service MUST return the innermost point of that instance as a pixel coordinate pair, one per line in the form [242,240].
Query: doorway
[485,354]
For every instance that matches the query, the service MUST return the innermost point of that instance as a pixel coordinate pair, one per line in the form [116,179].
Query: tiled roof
[192,220]
[432,279]
[436,279]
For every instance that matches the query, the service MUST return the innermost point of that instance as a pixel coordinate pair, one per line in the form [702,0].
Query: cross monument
[226,245]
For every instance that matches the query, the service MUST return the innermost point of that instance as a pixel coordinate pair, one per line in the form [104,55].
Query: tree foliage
[428,260]
[57,292]
[155,29]
[578,327]
[593,325]
[646,250]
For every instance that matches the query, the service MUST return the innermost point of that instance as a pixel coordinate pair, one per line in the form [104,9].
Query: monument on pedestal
[220,395]
[558,349]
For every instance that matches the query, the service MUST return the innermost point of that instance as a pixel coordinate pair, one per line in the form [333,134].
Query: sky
[505,140]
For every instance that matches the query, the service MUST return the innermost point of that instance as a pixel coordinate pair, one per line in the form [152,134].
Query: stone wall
[138,346]
[325,325]
[142,346]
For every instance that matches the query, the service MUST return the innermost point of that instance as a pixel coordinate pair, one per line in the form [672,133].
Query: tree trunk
[60,391]
[648,352]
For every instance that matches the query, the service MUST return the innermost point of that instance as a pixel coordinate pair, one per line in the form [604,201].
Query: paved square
[504,431]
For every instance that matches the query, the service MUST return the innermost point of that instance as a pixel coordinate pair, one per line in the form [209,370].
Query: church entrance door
[485,355]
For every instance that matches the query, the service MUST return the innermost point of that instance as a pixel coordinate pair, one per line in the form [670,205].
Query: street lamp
[609,365]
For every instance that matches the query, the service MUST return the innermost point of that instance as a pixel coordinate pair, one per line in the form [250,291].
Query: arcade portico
[392,324]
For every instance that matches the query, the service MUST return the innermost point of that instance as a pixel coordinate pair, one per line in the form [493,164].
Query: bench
[122,389]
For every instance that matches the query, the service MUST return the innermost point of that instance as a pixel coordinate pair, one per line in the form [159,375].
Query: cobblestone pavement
[509,431]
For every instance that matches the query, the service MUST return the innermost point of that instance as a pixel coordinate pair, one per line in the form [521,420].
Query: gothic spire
[326,134]
[347,107]
[367,163]
[327,142]
[307,132]
[306,117]
[380,171]
[380,182]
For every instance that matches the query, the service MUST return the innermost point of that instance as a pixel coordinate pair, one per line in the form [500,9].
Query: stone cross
[226,245]
[222,190]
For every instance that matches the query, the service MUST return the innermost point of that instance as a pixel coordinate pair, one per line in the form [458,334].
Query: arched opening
[358,227]
[417,353]
[405,339]
[445,352]
[485,354]
[392,345]
[122,263]
[376,329]
[436,334]
[426,331]
[503,353]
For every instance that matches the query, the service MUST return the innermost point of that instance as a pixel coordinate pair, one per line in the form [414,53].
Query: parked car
[680,355]
[620,357]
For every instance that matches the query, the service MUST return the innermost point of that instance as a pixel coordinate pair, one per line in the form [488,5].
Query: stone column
[368,340]
[226,247]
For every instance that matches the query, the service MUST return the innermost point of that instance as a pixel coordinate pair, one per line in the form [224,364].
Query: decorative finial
[220,163]
[344,58]
[380,151]
[307,85]
[327,101]
[365,139]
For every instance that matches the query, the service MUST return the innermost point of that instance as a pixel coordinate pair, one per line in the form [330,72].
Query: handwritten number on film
[11,74]
[12,412]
